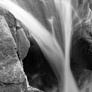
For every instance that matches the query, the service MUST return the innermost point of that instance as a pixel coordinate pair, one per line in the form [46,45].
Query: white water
[69,83]
[46,40]
[64,9]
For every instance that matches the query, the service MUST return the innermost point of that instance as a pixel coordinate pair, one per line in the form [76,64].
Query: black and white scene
[45,46]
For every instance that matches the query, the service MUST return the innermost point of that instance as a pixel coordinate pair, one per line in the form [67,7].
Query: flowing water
[47,42]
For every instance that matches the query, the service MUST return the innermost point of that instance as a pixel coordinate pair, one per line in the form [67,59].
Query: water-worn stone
[13,72]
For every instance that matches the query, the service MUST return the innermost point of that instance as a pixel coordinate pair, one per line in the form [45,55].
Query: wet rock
[23,44]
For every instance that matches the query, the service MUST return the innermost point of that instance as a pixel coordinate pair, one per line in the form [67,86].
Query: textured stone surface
[12,72]
[23,44]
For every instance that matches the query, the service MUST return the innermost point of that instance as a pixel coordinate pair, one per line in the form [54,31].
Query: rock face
[7,43]
[22,43]
[10,70]
[81,51]
[11,40]
[16,31]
